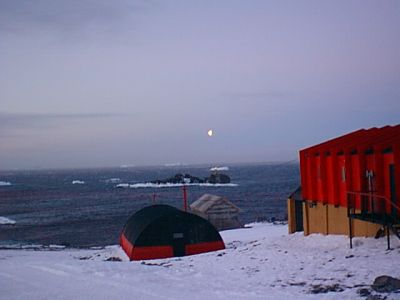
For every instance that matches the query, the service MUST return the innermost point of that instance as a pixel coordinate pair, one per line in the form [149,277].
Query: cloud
[64,16]
[49,116]
[255,96]
[12,122]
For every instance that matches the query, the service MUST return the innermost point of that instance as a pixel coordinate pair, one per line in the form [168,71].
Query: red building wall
[356,162]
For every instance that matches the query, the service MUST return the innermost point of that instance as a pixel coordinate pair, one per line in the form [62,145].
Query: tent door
[178,243]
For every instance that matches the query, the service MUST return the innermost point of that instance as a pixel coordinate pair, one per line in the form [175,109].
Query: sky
[107,83]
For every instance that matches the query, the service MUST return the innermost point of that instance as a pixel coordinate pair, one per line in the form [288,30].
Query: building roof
[206,202]
[359,140]
[296,194]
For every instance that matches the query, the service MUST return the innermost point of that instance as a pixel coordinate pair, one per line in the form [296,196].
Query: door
[178,243]
[298,205]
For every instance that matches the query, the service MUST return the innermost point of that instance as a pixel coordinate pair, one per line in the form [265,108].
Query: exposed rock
[85,257]
[386,284]
[187,178]
[323,289]
[113,258]
[218,178]
[180,178]
[376,297]
[364,292]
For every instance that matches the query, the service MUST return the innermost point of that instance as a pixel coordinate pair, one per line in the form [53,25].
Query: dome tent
[161,231]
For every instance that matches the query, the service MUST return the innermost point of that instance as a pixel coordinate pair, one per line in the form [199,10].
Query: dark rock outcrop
[363,292]
[187,178]
[386,284]
[180,178]
[323,289]
[218,178]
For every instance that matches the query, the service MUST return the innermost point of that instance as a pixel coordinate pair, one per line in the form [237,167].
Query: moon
[210,132]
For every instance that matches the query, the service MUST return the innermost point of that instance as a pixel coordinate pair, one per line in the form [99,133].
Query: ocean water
[86,208]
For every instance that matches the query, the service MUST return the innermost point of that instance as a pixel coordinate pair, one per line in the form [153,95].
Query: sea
[85,208]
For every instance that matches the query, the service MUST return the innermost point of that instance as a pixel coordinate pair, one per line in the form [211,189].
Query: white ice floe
[177,164]
[78,182]
[262,262]
[123,185]
[56,247]
[213,169]
[126,166]
[113,180]
[6,221]
[5,183]
[20,246]
[172,185]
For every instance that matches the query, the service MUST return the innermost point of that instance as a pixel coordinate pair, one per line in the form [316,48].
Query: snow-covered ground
[262,262]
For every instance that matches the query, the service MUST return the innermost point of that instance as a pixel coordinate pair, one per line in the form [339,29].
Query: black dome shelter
[161,231]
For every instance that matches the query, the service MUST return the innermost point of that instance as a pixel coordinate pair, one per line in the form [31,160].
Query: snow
[172,185]
[262,262]
[6,221]
[5,183]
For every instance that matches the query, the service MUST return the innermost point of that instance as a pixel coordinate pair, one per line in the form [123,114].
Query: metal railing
[373,208]
[370,204]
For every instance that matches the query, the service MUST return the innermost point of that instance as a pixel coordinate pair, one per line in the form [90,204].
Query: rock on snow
[261,262]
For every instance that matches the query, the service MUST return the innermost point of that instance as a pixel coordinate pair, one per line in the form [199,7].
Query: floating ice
[126,166]
[172,185]
[113,180]
[5,183]
[123,185]
[177,164]
[219,169]
[56,247]
[22,246]
[78,182]
[6,221]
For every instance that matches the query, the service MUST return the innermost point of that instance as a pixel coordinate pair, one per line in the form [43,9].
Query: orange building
[350,185]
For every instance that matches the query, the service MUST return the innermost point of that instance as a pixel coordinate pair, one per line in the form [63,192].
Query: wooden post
[184,198]
[306,218]
[350,234]
[388,236]
[349,217]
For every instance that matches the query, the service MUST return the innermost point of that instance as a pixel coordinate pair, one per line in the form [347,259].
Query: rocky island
[214,178]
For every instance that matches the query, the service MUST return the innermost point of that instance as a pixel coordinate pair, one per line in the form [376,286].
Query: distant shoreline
[164,166]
